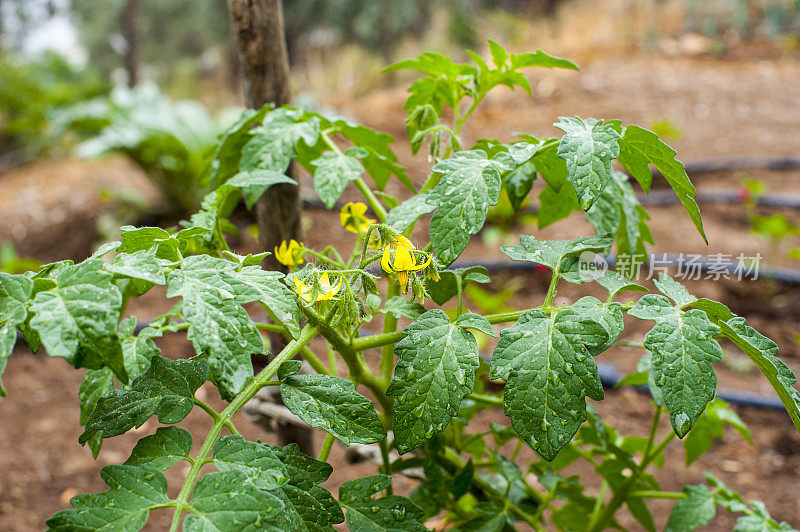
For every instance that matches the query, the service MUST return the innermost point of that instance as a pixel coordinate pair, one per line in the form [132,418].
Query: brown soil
[49,209]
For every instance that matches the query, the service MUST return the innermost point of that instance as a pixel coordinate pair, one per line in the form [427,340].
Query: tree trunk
[261,43]
[130,29]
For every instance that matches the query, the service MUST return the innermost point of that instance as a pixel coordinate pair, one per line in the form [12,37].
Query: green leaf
[286,473]
[539,58]
[469,185]
[561,256]
[332,403]
[253,184]
[674,290]
[97,383]
[683,350]
[401,307]
[334,171]
[608,315]
[289,368]
[638,148]
[694,511]
[125,507]
[15,291]
[588,146]
[471,320]
[162,450]
[405,214]
[272,146]
[8,338]
[391,513]
[616,283]
[556,204]
[213,291]
[709,426]
[518,184]
[228,153]
[617,211]
[139,350]
[140,265]
[166,389]
[549,372]
[380,161]
[78,319]
[764,353]
[446,287]
[436,369]
[223,501]
[143,238]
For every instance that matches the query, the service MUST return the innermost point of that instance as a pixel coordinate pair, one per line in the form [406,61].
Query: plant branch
[327,445]
[181,501]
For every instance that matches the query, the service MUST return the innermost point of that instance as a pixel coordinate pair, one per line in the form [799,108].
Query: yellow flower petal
[385,260]
[401,242]
[352,217]
[403,260]
[421,266]
[402,277]
[302,290]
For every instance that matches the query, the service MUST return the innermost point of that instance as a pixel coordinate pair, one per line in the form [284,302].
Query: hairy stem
[181,501]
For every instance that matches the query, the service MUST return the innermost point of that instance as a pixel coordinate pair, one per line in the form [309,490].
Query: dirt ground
[724,108]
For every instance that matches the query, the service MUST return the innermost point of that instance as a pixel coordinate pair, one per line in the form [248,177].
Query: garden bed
[49,210]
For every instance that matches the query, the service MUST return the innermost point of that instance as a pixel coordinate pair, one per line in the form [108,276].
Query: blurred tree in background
[171,31]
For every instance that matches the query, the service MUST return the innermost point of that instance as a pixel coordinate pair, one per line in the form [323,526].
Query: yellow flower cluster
[290,254]
[398,258]
[326,292]
[353,217]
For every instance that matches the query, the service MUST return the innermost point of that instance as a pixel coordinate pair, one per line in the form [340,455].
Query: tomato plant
[428,379]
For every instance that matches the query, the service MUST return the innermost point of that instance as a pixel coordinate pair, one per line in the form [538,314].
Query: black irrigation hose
[656,198]
[732,164]
[731,197]
[610,377]
[783,275]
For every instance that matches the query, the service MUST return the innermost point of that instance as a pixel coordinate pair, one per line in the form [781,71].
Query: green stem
[379,340]
[331,249]
[598,503]
[460,296]
[488,399]
[657,494]
[359,372]
[321,257]
[272,327]
[387,463]
[215,415]
[327,445]
[373,201]
[454,461]
[389,326]
[551,290]
[314,361]
[475,102]
[621,494]
[181,501]
[331,360]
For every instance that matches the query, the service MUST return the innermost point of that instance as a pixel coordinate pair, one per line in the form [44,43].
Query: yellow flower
[353,218]
[290,254]
[326,290]
[402,262]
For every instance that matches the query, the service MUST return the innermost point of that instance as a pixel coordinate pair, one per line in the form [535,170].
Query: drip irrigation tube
[656,198]
[685,262]
[610,377]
